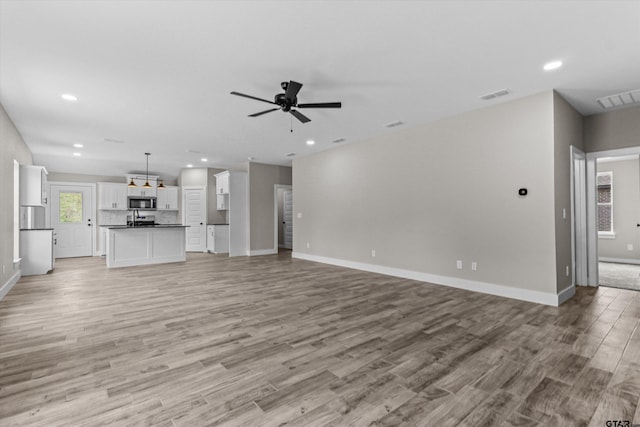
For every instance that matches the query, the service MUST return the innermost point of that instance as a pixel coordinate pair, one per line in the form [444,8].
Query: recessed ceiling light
[77,154]
[78,145]
[189,166]
[204,159]
[69,97]
[553,65]
[310,142]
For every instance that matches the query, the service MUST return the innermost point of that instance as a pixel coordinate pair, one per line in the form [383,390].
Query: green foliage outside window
[70,207]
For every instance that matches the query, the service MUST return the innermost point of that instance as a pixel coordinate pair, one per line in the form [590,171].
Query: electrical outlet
[567,270]
[630,246]
[459,264]
[3,268]
[564,213]
[299,215]
[474,266]
[373,253]
[308,245]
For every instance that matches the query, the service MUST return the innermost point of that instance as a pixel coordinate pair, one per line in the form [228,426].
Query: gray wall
[616,129]
[429,195]
[12,147]
[262,179]
[626,211]
[567,131]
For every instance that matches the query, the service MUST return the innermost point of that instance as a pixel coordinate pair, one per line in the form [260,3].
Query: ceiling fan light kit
[288,102]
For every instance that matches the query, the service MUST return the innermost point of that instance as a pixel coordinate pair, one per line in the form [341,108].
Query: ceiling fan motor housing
[285,103]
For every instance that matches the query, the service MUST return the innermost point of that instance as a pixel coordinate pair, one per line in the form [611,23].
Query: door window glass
[70,208]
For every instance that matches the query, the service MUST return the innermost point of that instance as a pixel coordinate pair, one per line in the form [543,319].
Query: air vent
[495,94]
[117,141]
[339,140]
[394,124]
[620,99]
[191,151]
[290,154]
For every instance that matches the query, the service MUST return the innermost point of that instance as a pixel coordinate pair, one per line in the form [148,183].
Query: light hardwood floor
[270,341]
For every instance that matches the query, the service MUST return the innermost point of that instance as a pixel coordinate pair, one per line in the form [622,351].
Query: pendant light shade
[161,185]
[132,184]
[146,183]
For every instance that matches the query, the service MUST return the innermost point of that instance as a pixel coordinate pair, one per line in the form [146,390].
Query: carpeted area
[625,276]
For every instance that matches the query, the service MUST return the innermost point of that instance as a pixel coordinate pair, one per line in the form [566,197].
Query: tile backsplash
[120,217]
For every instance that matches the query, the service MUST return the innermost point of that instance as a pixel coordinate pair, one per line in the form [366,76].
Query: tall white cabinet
[232,188]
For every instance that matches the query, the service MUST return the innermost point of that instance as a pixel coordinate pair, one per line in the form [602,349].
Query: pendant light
[161,185]
[146,183]
[132,184]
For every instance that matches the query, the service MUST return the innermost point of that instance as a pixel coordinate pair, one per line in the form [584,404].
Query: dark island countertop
[127,227]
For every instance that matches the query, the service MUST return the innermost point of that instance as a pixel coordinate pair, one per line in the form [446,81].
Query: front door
[71,220]
[195,216]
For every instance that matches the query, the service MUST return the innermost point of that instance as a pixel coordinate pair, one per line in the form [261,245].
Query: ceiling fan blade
[253,97]
[263,112]
[298,115]
[292,90]
[321,105]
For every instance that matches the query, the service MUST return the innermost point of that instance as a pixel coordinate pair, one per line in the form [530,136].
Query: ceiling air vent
[495,94]
[620,99]
[290,154]
[394,124]
[339,140]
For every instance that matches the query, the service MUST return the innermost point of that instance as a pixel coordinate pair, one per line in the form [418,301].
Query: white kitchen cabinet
[218,238]
[33,186]
[112,196]
[36,251]
[168,198]
[140,180]
[222,182]
[222,202]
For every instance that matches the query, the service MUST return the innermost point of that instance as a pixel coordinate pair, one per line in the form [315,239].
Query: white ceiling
[157,74]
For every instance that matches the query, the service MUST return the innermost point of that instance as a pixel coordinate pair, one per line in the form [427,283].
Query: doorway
[618,206]
[283,215]
[602,230]
[72,207]
[195,217]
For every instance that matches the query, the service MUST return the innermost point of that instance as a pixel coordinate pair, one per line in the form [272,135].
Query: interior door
[71,220]
[288,219]
[195,216]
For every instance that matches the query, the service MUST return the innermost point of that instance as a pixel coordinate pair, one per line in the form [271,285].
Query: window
[70,208]
[605,203]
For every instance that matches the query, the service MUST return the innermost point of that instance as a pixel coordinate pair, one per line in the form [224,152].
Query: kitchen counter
[129,227]
[143,245]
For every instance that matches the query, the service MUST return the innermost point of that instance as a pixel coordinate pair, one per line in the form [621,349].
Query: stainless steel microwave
[143,203]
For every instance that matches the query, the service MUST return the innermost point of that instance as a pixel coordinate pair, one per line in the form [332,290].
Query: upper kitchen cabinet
[33,185]
[222,182]
[138,190]
[222,191]
[112,196]
[168,198]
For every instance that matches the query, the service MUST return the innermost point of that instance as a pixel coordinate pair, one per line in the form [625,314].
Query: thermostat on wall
[522,192]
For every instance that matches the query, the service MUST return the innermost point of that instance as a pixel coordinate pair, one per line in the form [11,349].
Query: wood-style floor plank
[270,341]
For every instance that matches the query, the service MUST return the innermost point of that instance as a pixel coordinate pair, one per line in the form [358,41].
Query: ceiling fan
[288,100]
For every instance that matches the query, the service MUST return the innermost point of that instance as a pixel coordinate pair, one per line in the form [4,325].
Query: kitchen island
[128,246]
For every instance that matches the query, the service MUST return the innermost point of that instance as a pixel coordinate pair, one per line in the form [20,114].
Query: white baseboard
[454,282]
[565,294]
[263,252]
[620,260]
[4,290]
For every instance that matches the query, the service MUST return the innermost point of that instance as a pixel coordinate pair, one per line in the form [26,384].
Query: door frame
[183,209]
[579,259]
[94,210]
[277,187]
[592,219]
